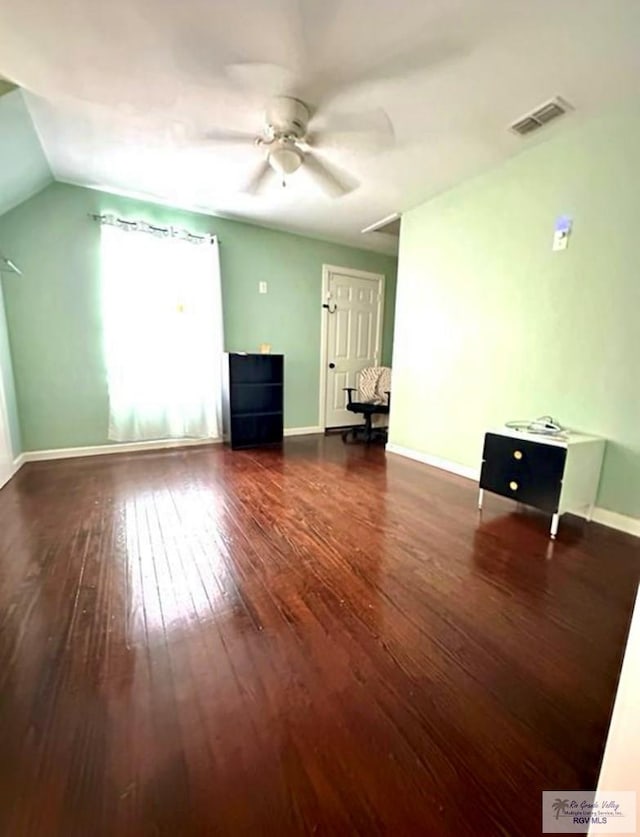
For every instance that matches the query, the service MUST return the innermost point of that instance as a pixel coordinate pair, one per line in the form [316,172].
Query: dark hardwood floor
[313,641]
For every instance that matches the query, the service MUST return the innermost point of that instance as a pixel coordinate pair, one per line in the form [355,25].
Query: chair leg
[369,430]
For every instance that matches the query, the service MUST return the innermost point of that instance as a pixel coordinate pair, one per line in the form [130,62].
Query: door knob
[332,366]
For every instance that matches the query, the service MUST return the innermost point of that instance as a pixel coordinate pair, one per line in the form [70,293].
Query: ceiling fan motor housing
[288,117]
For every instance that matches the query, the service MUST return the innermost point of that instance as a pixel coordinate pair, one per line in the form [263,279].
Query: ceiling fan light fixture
[285,158]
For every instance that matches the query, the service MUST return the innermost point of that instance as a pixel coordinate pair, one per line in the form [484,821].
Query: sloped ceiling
[126,95]
[23,166]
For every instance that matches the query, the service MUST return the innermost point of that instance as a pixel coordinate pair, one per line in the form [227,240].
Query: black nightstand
[555,474]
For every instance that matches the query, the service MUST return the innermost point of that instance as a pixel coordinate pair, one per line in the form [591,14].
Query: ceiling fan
[294,132]
[288,145]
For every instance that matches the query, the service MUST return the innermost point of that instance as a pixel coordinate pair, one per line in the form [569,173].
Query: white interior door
[353,336]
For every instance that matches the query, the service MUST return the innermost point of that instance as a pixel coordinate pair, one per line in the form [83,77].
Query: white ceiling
[23,167]
[122,92]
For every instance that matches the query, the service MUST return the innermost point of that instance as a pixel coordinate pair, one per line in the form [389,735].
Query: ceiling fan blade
[401,66]
[265,79]
[377,120]
[333,183]
[405,63]
[303,35]
[258,179]
[371,130]
[229,137]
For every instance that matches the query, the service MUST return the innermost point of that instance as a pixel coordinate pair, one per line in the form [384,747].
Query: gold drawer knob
[513,485]
[517,454]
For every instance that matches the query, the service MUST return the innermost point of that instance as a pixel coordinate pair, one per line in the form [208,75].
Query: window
[162,316]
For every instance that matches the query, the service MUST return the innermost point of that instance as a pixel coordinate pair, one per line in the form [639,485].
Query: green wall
[492,325]
[6,373]
[54,316]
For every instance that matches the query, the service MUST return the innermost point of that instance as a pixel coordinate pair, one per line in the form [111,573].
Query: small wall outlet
[262,287]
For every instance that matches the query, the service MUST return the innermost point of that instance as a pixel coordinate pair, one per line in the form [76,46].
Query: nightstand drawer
[528,472]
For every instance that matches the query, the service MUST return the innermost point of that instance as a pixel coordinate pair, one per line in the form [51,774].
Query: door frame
[327,270]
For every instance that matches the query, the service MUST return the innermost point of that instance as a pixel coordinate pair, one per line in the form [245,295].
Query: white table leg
[554,526]
[480,498]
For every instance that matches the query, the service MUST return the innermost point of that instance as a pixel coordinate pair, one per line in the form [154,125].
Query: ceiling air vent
[540,116]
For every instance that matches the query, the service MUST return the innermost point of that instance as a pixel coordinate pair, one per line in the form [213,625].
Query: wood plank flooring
[310,641]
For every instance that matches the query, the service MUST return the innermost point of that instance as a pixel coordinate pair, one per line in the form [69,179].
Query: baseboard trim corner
[434,461]
[614,520]
[116,447]
[303,431]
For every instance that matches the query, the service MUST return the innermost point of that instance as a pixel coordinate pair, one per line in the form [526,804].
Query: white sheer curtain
[162,314]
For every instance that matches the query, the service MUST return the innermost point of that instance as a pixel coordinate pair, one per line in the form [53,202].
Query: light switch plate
[262,287]
[560,240]
[561,232]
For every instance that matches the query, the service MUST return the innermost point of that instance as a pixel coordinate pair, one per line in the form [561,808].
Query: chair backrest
[374,382]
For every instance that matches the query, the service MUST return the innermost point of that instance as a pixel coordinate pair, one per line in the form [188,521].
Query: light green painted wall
[6,372]
[54,315]
[492,325]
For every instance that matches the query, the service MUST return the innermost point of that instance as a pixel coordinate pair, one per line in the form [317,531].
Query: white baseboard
[435,461]
[612,519]
[116,447]
[615,520]
[132,447]
[303,431]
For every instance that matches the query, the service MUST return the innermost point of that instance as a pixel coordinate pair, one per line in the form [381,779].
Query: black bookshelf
[253,399]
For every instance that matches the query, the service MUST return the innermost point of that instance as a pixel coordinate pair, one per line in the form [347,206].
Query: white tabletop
[562,440]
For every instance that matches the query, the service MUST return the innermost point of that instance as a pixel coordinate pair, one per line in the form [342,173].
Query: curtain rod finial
[7,266]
